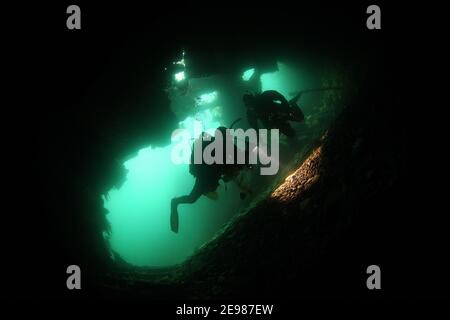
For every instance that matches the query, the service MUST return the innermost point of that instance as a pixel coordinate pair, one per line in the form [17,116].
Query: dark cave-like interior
[336,205]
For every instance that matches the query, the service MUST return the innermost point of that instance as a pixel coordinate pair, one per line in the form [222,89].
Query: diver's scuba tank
[195,168]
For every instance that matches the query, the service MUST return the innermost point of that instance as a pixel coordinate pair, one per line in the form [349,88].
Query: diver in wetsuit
[207,176]
[273,110]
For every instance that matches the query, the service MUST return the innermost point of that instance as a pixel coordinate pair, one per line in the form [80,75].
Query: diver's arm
[296,97]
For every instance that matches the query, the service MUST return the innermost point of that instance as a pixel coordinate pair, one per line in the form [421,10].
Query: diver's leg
[191,198]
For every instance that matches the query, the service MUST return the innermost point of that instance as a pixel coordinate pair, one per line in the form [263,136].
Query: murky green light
[139,211]
[207,98]
[247,75]
[286,81]
[180,76]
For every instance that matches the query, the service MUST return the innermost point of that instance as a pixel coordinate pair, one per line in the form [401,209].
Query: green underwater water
[139,210]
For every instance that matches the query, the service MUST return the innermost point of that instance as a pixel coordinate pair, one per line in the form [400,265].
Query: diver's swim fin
[174,220]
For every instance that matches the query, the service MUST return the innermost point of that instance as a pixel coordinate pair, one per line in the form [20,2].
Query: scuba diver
[207,176]
[273,110]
